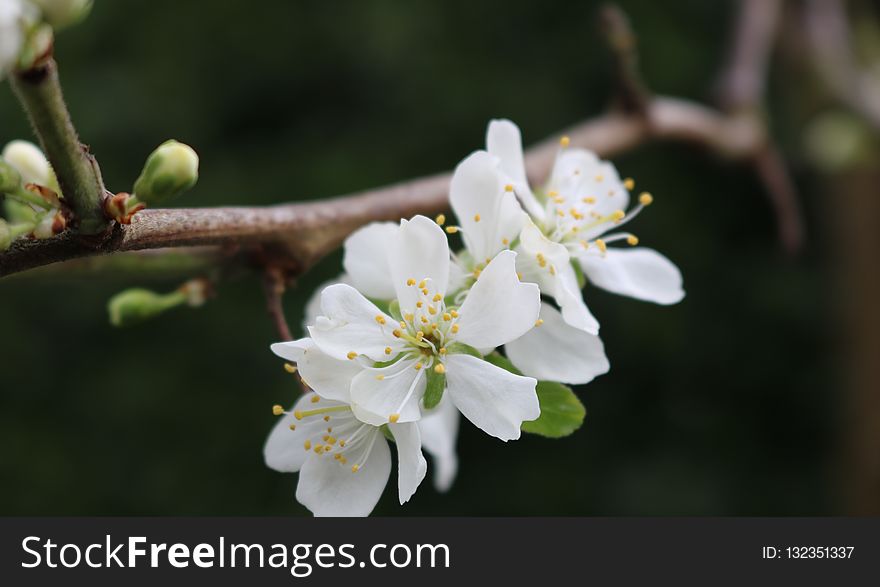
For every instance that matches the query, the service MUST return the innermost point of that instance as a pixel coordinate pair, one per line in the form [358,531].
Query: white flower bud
[30,162]
[170,170]
[64,13]
[11,34]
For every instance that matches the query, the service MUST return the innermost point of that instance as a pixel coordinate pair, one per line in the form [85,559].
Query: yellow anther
[437,297]
[424,291]
[439,368]
[388,350]
[645,199]
[432,310]
[329,430]
[418,366]
[326,418]
[419,304]
[476,217]
[380,377]
[599,178]
[331,440]
[355,468]
[351,355]
[441,219]
[505,242]
[341,443]
[538,322]
[451,229]
[447,316]
[564,141]
[585,244]
[552,270]
[319,448]
[408,317]
[420,335]
[397,333]
[307,445]
[315,399]
[601,244]
[393,418]
[289,368]
[277,410]
[326,437]
[442,350]
[508,187]
[410,282]
[589,200]
[552,194]
[424,320]
[402,324]
[632,240]
[380,319]
[560,213]
[338,456]
[618,215]
[454,313]
[298,415]
[477,273]
[292,426]
[454,328]
[422,284]
[542,260]
[629,183]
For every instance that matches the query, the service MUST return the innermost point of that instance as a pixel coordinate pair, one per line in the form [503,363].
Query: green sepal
[380,364]
[503,362]
[394,310]
[561,411]
[434,390]
[459,348]
[581,278]
[387,432]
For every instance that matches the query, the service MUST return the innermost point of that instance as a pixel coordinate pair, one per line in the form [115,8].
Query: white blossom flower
[571,218]
[565,347]
[11,33]
[431,332]
[343,463]
[438,426]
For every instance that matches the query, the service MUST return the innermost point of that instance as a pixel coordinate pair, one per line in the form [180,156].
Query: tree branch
[39,91]
[274,284]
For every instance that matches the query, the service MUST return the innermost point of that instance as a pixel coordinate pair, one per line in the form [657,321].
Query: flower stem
[79,177]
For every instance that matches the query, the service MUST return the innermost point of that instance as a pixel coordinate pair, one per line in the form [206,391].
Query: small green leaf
[561,411]
[500,360]
[435,388]
[459,348]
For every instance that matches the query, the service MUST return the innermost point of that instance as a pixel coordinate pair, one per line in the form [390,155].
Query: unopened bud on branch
[137,305]
[29,161]
[170,170]
[64,13]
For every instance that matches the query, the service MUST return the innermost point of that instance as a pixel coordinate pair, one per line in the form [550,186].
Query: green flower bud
[137,305]
[170,170]
[10,178]
[5,235]
[64,13]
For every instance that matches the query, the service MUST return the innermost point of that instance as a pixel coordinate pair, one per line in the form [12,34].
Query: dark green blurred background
[727,404]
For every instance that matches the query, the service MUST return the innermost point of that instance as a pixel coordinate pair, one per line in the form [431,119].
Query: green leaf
[561,411]
[434,390]
[459,348]
[500,360]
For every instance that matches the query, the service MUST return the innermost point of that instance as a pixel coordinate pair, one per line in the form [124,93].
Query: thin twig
[274,284]
[632,95]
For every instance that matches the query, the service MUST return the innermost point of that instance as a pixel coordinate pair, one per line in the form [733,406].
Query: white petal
[498,308]
[548,264]
[329,488]
[578,173]
[313,305]
[419,251]
[284,450]
[366,260]
[494,400]
[489,216]
[349,325]
[439,432]
[329,377]
[639,273]
[503,140]
[399,392]
[411,464]
[556,351]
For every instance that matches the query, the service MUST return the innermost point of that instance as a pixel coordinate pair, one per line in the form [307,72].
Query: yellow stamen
[601,244]
[290,368]
[476,217]
[418,366]
[396,333]
[508,187]
[393,418]
[307,445]
[315,399]
[618,215]
[277,410]
[632,240]
[432,310]
[538,322]
[388,350]
[454,313]
[437,297]
[441,219]
[442,350]
[446,317]
[505,242]
[589,200]
[629,183]
[451,229]
[410,282]
[564,141]
[380,377]
[422,284]
[439,368]
[351,355]
[380,319]
[419,304]
[454,328]
[354,468]
[292,426]
[645,199]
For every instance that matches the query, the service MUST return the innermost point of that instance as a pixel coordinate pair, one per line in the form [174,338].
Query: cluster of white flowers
[409,336]
[20,18]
